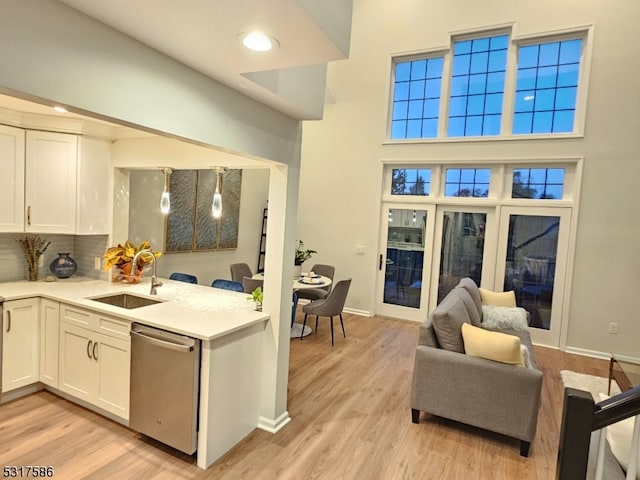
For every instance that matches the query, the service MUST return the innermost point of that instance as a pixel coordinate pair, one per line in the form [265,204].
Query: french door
[464,237]
[533,249]
[428,249]
[404,261]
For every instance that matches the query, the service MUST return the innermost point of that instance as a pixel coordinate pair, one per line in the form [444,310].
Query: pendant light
[165,201]
[216,205]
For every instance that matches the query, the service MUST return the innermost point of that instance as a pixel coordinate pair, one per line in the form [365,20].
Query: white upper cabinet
[93,199]
[50,186]
[11,179]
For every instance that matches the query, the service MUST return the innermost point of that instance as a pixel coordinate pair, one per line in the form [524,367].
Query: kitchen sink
[125,300]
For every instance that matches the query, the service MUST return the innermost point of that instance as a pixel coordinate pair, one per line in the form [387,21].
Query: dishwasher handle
[163,343]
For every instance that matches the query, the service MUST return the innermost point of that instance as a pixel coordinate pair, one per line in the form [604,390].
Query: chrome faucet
[155,283]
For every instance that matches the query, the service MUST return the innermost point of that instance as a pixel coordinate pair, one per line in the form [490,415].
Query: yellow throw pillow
[499,299]
[496,346]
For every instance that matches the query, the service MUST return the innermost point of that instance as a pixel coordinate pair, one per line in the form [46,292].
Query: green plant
[256,295]
[302,254]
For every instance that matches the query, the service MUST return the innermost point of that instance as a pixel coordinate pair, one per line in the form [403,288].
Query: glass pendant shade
[216,206]
[165,202]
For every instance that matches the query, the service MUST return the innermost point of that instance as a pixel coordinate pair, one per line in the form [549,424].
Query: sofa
[489,394]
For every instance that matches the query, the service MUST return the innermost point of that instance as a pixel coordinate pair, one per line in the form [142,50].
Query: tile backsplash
[82,248]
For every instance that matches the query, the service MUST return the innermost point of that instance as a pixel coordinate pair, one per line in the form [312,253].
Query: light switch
[360,250]
[96,263]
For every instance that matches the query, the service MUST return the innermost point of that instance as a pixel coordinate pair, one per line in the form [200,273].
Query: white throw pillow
[501,318]
[619,437]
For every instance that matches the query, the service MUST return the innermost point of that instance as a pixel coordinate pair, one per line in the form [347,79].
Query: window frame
[583,32]
[423,55]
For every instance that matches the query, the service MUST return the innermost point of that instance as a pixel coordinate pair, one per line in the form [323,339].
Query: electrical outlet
[40,261]
[96,263]
[613,328]
[360,250]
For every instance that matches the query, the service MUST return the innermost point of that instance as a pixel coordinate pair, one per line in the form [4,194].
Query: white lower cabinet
[20,345]
[95,358]
[49,334]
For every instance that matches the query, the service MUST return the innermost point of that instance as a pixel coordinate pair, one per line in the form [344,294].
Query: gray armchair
[329,307]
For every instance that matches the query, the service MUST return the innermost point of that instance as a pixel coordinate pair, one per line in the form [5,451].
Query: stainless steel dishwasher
[165,369]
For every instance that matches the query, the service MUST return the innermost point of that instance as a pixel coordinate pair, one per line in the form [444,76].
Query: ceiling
[203,34]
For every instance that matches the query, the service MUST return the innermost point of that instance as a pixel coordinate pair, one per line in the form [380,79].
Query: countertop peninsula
[195,310]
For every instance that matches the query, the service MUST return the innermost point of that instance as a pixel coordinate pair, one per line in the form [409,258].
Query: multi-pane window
[467,182]
[538,183]
[546,87]
[477,86]
[410,181]
[416,98]
[542,100]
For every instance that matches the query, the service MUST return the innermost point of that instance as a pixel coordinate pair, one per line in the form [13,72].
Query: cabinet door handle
[380,263]
[29,215]
[8,321]
[95,357]
[89,348]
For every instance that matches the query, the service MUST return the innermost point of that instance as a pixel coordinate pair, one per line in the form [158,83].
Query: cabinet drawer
[77,316]
[114,328]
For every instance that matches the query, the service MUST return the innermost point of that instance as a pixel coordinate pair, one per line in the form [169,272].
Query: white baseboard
[355,311]
[603,355]
[273,426]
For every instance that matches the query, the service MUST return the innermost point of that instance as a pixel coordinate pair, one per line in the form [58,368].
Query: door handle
[29,215]
[380,263]
[95,344]
[162,343]
[89,349]
[8,321]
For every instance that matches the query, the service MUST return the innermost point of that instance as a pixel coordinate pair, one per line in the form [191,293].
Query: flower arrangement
[302,254]
[121,257]
[33,247]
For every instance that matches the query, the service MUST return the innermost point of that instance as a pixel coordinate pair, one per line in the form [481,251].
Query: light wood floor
[350,420]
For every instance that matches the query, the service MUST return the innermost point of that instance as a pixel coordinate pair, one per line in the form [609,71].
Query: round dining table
[300,283]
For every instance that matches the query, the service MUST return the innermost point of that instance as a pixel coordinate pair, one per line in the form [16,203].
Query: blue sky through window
[416,98]
[477,86]
[467,182]
[538,183]
[546,87]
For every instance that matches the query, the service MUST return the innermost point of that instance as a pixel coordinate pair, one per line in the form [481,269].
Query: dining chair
[227,285]
[239,270]
[184,277]
[250,284]
[321,292]
[328,307]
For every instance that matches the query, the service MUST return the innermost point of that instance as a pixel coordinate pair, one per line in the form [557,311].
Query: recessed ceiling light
[60,109]
[258,41]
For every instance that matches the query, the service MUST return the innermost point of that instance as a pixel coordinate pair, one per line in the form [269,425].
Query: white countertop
[195,310]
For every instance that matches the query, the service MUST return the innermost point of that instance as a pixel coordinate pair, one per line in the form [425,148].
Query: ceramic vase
[63,266]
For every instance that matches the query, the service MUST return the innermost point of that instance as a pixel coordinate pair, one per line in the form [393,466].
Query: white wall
[146,222]
[50,51]
[341,158]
